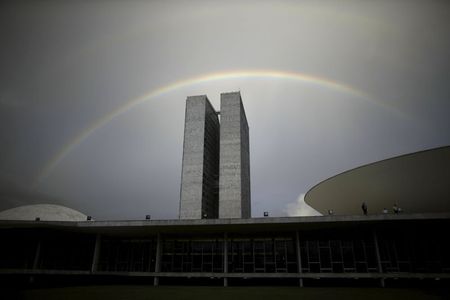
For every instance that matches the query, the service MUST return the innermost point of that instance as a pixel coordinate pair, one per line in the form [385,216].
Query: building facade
[234,177]
[215,180]
[200,169]
[358,250]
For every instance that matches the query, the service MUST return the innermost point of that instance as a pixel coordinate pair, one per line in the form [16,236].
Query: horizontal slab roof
[219,226]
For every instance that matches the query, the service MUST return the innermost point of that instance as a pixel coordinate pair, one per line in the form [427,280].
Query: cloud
[14,195]
[300,208]
[8,100]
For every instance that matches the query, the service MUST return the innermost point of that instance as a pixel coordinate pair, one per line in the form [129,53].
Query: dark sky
[92,94]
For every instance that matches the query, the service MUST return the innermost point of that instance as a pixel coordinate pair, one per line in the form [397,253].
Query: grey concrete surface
[200,165]
[416,182]
[46,212]
[222,225]
[234,177]
[215,180]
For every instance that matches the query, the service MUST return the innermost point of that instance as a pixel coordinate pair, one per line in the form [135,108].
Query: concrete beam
[233,275]
[37,256]
[96,254]
[225,258]
[377,251]
[299,258]
[157,259]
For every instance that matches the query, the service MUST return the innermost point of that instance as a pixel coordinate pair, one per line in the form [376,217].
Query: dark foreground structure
[374,249]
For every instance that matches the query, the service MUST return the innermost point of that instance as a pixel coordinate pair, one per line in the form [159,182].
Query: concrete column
[377,251]
[225,258]
[299,257]
[37,256]
[157,259]
[95,257]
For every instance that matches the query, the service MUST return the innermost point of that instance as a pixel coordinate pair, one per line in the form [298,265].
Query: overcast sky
[92,94]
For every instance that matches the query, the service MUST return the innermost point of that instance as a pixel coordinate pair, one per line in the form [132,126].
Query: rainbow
[256,74]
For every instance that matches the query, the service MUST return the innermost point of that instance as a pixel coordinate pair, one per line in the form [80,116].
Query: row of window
[258,254]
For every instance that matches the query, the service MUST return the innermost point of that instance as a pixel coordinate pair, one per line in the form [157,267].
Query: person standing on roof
[395,208]
[364,208]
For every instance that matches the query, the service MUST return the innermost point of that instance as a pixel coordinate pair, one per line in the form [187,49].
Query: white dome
[46,212]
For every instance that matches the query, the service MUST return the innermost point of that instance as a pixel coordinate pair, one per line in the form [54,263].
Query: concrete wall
[192,166]
[200,160]
[216,161]
[234,175]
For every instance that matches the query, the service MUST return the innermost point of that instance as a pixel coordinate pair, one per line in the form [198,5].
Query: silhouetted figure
[400,210]
[364,208]
[385,211]
[395,209]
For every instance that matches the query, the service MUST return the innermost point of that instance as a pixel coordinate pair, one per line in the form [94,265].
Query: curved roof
[46,212]
[417,182]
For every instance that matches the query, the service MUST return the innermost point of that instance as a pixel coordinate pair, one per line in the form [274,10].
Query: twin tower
[215,176]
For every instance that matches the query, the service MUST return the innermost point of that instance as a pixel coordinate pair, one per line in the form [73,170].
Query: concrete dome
[417,182]
[46,212]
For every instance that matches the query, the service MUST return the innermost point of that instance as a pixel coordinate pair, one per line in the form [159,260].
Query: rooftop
[220,225]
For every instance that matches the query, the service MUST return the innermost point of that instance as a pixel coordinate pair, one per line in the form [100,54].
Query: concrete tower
[200,171]
[234,174]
